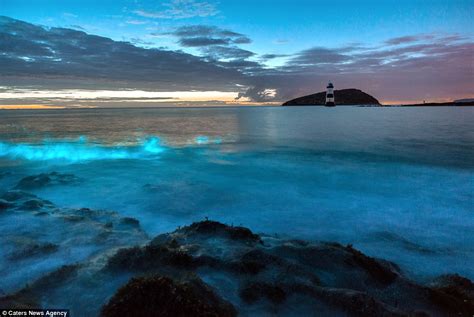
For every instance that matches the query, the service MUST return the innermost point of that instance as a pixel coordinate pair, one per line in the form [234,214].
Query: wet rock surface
[174,274]
[38,237]
[204,269]
[46,179]
[162,296]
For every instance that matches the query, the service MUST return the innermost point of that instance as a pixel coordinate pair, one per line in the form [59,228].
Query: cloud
[272,56]
[62,57]
[218,45]
[69,15]
[205,35]
[429,70]
[226,52]
[136,22]
[258,94]
[281,41]
[318,55]
[181,9]
[78,27]
[409,39]
[202,41]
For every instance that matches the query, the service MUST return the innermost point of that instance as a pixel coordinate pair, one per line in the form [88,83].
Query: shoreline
[216,269]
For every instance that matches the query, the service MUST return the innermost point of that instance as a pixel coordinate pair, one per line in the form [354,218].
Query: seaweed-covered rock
[215,228]
[259,274]
[382,272]
[454,294]
[257,290]
[46,179]
[18,199]
[30,296]
[255,261]
[32,204]
[34,248]
[163,297]
[4,204]
[14,195]
[129,221]
[148,258]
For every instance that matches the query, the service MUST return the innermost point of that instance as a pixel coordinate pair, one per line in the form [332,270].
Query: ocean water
[397,183]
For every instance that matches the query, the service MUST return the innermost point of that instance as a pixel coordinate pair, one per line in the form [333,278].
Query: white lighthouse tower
[330,95]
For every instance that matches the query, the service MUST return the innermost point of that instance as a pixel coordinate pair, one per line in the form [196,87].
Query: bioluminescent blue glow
[202,139]
[82,150]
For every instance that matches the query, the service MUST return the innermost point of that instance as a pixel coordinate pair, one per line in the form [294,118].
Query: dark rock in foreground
[163,297]
[250,274]
[342,97]
[270,271]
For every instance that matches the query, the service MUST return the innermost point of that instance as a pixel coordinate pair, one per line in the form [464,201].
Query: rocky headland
[343,97]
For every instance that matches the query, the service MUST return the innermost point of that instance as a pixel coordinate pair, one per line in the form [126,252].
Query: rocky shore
[210,269]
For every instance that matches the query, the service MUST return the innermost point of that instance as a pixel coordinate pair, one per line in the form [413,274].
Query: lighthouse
[330,95]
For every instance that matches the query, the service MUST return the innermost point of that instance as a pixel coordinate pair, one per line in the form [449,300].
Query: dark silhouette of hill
[342,97]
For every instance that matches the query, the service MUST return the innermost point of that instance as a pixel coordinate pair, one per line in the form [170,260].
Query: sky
[57,53]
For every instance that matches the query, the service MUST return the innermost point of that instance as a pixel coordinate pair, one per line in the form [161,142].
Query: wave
[82,150]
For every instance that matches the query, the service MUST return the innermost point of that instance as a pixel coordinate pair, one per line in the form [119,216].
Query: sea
[396,183]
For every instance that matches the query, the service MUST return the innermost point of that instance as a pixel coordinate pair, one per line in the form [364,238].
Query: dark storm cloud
[28,50]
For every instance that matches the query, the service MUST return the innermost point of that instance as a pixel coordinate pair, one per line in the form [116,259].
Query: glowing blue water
[396,183]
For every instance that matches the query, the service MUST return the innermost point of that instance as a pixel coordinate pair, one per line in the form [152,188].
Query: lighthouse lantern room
[330,95]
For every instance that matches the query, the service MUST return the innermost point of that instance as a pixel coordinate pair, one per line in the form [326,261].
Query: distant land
[457,103]
[343,97]
[352,96]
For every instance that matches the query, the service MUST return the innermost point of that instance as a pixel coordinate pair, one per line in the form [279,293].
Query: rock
[255,261]
[4,204]
[129,221]
[14,195]
[30,296]
[342,97]
[45,179]
[215,228]
[33,249]
[163,297]
[32,204]
[148,258]
[255,291]
[383,273]
[453,293]
[259,274]
[74,218]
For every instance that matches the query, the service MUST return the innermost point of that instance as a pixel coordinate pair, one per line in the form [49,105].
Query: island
[343,97]
[356,97]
